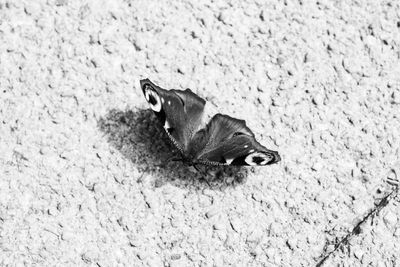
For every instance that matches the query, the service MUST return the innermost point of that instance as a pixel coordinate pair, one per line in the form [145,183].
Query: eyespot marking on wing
[258,158]
[153,99]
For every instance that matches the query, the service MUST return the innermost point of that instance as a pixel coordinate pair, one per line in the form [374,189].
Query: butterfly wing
[228,141]
[179,111]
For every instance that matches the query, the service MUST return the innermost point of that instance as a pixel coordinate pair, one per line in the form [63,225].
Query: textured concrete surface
[80,178]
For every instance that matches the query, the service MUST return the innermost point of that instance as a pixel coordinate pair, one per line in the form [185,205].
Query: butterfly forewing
[180,112]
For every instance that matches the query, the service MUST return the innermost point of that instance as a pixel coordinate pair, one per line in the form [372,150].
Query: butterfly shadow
[140,138]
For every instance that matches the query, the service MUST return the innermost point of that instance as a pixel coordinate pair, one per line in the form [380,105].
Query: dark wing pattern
[180,112]
[228,141]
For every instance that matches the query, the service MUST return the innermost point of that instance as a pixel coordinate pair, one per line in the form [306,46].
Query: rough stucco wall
[316,80]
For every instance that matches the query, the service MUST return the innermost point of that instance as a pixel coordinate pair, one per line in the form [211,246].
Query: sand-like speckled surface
[80,176]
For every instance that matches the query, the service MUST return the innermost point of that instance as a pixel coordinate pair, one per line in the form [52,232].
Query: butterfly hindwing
[180,112]
[228,141]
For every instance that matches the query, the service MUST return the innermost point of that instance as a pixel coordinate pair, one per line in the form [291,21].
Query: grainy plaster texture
[80,177]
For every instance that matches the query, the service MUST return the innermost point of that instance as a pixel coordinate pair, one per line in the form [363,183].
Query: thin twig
[357,229]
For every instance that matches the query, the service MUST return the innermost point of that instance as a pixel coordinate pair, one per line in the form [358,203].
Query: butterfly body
[222,141]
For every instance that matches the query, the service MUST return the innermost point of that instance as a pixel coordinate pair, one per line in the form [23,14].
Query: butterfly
[223,141]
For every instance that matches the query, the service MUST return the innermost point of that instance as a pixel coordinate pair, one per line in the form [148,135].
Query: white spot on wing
[169,102]
[246,146]
[229,161]
[251,150]
[166,125]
